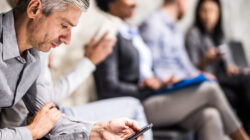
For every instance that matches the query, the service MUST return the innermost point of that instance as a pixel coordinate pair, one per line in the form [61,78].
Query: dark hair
[104,4]
[169,1]
[22,5]
[217,34]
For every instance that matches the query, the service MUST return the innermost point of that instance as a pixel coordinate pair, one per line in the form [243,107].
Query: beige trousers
[203,108]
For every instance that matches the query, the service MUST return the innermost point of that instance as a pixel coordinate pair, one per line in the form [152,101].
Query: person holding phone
[209,52]
[36,26]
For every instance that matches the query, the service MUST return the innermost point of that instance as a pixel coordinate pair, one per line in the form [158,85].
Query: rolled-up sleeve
[40,94]
[20,133]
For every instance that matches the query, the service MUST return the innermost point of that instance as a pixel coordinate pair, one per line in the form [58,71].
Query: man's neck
[20,22]
[171,11]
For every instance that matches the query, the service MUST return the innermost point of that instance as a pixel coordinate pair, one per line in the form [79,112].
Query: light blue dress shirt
[20,79]
[167,45]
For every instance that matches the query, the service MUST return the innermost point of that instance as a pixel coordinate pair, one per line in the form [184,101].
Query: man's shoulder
[153,18]
[152,22]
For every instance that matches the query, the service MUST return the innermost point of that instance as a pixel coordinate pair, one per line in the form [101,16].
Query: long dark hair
[217,34]
[104,4]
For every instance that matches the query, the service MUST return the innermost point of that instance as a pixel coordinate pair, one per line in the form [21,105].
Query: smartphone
[143,130]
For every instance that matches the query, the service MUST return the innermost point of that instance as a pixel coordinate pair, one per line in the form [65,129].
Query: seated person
[202,108]
[103,110]
[209,52]
[31,27]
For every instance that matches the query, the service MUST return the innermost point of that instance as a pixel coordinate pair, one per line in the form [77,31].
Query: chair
[238,53]
[172,133]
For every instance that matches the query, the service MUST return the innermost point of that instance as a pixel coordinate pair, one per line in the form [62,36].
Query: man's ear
[34,8]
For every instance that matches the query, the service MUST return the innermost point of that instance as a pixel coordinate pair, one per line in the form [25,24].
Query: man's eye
[64,26]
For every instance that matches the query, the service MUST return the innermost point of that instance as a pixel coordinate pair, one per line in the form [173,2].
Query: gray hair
[52,5]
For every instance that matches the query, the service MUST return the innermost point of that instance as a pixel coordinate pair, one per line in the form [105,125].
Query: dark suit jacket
[119,74]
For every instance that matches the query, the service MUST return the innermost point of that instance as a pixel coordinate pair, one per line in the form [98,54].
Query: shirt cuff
[145,76]
[24,133]
[91,65]
[86,125]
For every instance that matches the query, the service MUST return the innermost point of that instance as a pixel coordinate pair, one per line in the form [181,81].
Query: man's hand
[44,120]
[118,129]
[152,83]
[97,51]
[170,81]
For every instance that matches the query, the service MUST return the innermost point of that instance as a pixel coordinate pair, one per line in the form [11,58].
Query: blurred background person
[120,75]
[170,59]
[209,52]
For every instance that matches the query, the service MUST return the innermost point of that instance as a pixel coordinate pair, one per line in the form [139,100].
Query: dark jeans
[237,90]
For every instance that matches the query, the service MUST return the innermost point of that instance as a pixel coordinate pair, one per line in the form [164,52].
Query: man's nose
[65,38]
[134,3]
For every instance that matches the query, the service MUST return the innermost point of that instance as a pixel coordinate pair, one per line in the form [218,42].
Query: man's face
[124,9]
[183,4]
[46,32]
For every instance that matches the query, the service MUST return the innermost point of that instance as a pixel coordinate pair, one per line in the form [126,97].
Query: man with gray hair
[39,25]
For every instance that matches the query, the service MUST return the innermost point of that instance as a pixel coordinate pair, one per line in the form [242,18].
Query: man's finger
[140,137]
[132,124]
[53,110]
[47,107]
[58,115]
[55,115]
[169,81]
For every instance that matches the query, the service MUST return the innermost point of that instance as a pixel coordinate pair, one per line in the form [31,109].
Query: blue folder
[184,84]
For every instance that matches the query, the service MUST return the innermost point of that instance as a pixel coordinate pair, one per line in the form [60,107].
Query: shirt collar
[166,19]
[127,31]
[33,55]
[10,47]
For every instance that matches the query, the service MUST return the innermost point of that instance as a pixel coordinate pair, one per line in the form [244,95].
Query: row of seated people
[156,56]
[138,69]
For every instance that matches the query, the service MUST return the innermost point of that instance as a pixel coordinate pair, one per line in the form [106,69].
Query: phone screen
[144,129]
